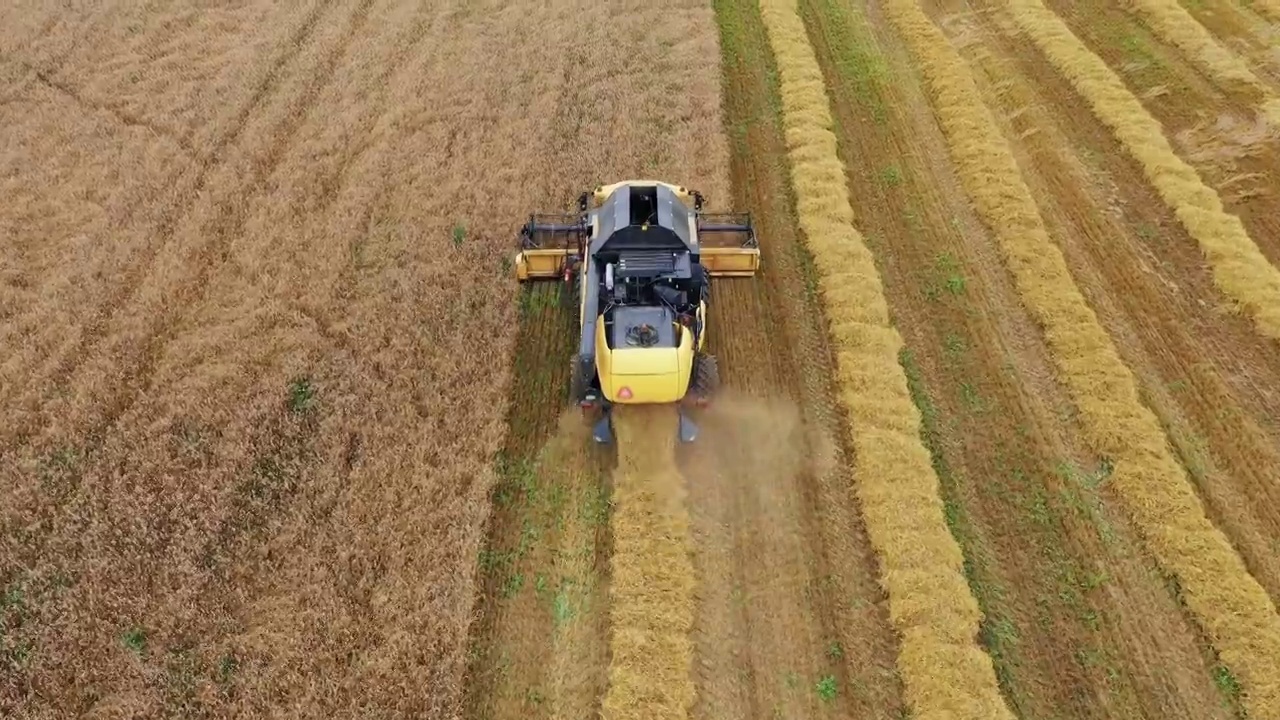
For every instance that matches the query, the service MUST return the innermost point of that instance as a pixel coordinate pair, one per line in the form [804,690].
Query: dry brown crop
[281,436]
[1216,586]
[257,320]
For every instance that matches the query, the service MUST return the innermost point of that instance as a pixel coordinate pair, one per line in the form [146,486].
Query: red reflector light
[624,393]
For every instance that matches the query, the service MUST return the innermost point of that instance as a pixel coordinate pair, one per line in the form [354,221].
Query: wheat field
[282,436]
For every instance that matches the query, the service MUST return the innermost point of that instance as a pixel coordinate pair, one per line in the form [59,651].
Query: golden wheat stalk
[1269,9]
[652,578]
[1216,586]
[944,671]
[1239,268]
[1173,24]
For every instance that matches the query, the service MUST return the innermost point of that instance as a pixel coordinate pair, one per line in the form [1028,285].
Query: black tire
[576,387]
[706,375]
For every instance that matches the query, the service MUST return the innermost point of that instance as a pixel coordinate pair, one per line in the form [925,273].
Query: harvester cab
[636,261]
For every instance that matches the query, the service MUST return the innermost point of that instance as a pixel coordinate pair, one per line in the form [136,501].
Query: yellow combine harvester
[639,256]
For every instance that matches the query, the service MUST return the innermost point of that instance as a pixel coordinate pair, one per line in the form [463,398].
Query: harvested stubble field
[1001,424]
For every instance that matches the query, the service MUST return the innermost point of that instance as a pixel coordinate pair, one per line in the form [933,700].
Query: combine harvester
[639,256]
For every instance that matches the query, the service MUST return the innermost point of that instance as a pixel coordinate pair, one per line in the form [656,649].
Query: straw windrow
[652,578]
[1239,268]
[945,672]
[1173,24]
[1216,587]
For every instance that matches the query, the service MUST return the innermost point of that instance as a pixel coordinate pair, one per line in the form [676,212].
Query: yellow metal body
[541,264]
[649,375]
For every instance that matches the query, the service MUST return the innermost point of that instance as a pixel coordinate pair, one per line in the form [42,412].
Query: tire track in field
[1241,30]
[1011,465]
[230,214]
[129,290]
[1176,26]
[1078,621]
[126,119]
[539,643]
[943,667]
[329,318]
[810,635]
[90,433]
[1239,268]
[327,313]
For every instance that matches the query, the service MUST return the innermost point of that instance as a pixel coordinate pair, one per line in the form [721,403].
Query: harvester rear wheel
[576,388]
[706,375]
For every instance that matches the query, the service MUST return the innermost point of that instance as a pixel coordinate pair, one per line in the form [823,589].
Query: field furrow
[1172,23]
[1017,476]
[1231,147]
[1214,583]
[1239,268]
[942,667]
[1205,373]
[1241,30]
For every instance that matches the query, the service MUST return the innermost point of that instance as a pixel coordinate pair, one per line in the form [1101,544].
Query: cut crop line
[652,580]
[132,286]
[1215,584]
[1269,9]
[944,670]
[123,117]
[1240,269]
[1173,24]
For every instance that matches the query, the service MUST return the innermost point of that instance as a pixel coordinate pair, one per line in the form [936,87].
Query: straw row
[652,578]
[944,670]
[1216,587]
[1239,268]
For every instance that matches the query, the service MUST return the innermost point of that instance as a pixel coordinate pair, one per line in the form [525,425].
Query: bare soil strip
[1077,618]
[1241,30]
[942,666]
[540,643]
[1221,135]
[1204,371]
[1239,268]
[1215,584]
[1175,25]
